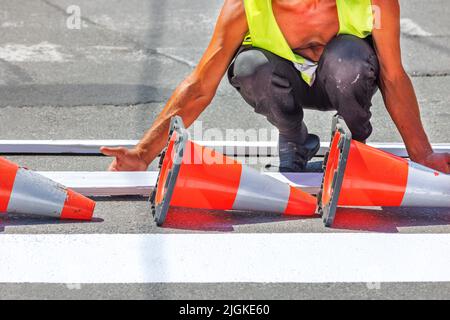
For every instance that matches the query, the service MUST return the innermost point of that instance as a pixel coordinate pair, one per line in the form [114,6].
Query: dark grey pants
[346,81]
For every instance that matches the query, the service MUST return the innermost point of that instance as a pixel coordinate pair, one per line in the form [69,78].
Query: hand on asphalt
[438,161]
[125,159]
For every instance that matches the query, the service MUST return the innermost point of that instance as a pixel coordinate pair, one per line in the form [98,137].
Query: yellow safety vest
[355,18]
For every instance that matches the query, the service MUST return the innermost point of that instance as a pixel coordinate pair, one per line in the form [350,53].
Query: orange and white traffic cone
[194,176]
[24,191]
[359,175]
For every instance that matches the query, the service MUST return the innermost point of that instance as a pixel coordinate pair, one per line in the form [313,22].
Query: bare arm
[194,94]
[398,92]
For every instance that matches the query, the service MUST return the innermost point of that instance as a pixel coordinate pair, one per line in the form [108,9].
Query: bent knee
[348,47]
[350,62]
[253,72]
[248,63]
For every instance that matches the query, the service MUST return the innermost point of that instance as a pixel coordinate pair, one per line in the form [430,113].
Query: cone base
[335,167]
[301,203]
[8,171]
[77,207]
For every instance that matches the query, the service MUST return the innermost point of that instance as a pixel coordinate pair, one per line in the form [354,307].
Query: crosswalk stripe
[229,148]
[103,183]
[225,258]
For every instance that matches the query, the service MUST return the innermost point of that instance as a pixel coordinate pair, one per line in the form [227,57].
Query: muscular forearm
[402,105]
[188,101]
[193,95]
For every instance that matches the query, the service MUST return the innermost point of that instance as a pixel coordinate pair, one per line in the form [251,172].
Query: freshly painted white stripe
[106,183]
[238,148]
[410,28]
[426,187]
[231,148]
[142,183]
[225,258]
[61,146]
[243,148]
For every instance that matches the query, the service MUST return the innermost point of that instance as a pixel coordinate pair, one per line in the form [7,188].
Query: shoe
[294,157]
[314,166]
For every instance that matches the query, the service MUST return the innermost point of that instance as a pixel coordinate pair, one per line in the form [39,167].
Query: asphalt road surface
[108,74]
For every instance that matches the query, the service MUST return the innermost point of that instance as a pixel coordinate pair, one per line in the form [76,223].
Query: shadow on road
[386,220]
[389,219]
[26,220]
[221,221]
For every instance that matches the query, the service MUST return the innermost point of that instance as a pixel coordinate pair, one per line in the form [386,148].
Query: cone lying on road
[359,175]
[194,176]
[24,191]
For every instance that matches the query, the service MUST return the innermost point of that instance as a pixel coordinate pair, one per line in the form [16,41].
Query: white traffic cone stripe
[426,187]
[259,192]
[37,195]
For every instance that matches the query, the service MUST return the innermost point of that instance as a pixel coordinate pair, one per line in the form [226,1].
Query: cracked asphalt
[110,78]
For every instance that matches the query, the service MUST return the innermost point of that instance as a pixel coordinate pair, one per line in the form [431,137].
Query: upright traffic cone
[360,175]
[24,191]
[194,176]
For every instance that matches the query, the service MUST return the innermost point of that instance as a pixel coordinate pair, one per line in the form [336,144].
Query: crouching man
[284,56]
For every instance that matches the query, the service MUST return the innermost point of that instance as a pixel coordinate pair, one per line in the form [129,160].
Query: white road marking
[49,52]
[410,28]
[12,24]
[231,148]
[61,146]
[41,52]
[225,258]
[104,183]
[165,51]
[103,54]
